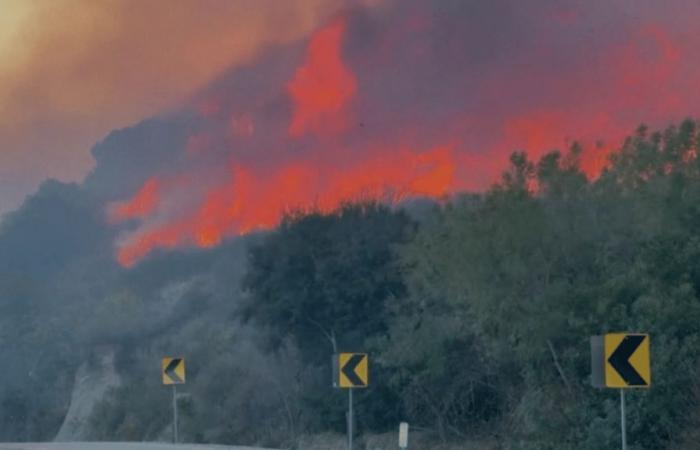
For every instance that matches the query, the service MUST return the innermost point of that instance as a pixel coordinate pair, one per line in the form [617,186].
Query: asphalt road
[115,446]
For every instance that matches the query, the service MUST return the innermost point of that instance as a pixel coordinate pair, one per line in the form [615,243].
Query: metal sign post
[623,424]
[175,437]
[350,419]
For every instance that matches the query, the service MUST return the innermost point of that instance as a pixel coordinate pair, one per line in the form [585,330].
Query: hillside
[476,313]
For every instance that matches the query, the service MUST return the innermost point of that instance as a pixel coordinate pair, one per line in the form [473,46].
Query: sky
[195,121]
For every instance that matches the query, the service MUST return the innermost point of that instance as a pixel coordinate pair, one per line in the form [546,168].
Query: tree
[324,278]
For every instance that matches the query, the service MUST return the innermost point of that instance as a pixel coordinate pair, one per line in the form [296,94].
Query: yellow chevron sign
[352,370]
[627,360]
[173,370]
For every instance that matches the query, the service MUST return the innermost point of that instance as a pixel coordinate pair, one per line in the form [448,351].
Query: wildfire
[248,161]
[255,198]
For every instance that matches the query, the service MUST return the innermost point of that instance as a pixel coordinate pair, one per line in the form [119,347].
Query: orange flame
[257,198]
[141,205]
[541,131]
[323,85]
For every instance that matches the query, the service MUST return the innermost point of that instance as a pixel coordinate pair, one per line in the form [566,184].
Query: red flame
[256,198]
[323,85]
[141,205]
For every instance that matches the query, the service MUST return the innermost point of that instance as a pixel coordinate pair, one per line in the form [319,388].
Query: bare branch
[558,366]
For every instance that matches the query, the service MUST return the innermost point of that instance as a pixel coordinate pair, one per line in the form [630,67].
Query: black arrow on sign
[620,360]
[170,370]
[349,370]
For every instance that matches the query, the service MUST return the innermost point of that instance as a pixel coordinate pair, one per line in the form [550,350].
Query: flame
[323,85]
[546,130]
[141,205]
[255,198]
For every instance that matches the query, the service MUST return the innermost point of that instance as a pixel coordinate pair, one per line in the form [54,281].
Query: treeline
[478,316]
[476,312]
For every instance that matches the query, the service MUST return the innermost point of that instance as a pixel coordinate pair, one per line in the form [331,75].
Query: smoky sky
[73,70]
[414,97]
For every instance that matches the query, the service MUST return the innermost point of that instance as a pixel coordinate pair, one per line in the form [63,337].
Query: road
[115,446]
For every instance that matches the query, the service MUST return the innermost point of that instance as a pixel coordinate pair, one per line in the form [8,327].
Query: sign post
[621,361]
[350,419]
[623,420]
[175,436]
[173,373]
[350,371]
